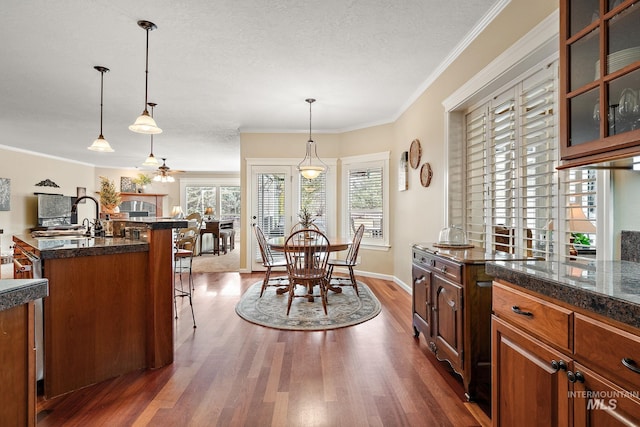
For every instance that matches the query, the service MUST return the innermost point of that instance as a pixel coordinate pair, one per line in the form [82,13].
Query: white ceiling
[216,68]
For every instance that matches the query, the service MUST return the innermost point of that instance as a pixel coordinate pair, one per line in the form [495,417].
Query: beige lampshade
[145,124]
[176,212]
[578,221]
[101,145]
[208,211]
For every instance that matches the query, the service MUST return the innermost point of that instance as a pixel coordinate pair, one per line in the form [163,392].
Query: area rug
[343,309]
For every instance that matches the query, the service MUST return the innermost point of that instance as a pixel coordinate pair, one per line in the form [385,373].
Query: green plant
[305,217]
[581,239]
[109,196]
[142,179]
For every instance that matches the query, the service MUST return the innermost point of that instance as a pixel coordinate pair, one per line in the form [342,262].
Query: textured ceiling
[216,68]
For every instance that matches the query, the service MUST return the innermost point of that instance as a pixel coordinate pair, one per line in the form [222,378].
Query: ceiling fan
[164,172]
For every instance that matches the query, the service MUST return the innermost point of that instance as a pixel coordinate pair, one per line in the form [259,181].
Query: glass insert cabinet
[599,80]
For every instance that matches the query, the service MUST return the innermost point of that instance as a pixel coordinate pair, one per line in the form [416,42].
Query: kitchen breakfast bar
[109,308]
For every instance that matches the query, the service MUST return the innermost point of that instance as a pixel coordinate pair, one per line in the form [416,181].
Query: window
[223,195]
[510,166]
[366,197]
[313,196]
[512,189]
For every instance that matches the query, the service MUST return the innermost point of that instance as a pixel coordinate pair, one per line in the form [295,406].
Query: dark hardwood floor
[228,372]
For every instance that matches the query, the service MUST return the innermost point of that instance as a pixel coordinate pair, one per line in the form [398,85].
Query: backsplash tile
[630,246]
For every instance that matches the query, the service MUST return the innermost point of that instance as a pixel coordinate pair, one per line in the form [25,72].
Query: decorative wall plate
[415,153]
[425,174]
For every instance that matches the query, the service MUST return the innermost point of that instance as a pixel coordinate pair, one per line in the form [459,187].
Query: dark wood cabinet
[599,80]
[452,309]
[528,388]
[556,366]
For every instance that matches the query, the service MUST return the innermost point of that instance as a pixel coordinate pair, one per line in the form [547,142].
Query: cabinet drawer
[450,270]
[603,347]
[549,322]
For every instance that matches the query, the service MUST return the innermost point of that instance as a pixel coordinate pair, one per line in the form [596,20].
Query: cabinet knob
[576,377]
[559,365]
[631,365]
[517,310]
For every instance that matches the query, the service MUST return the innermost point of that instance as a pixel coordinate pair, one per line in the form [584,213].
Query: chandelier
[308,167]
[101,144]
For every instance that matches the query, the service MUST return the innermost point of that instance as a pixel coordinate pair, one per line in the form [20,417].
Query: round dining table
[336,244]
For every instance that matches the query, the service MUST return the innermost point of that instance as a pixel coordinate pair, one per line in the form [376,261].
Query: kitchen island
[110,304]
[568,331]
[17,356]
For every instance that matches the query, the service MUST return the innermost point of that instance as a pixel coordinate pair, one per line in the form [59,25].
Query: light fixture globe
[145,123]
[151,159]
[308,167]
[101,144]
[310,172]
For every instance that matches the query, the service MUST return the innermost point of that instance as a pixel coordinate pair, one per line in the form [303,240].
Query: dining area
[309,279]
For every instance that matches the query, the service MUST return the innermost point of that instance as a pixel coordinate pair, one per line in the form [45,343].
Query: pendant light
[309,168]
[145,123]
[101,144]
[151,160]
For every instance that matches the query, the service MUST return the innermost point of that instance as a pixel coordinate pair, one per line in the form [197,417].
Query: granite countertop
[15,292]
[474,255]
[157,223]
[608,288]
[52,248]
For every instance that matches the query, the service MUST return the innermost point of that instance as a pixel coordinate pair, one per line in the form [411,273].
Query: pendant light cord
[101,97]
[146,72]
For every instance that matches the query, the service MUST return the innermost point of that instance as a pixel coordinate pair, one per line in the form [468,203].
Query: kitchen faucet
[97,226]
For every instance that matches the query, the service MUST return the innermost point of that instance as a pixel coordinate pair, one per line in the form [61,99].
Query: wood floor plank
[229,372]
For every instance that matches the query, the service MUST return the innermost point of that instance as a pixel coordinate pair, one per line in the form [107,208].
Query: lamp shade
[176,212]
[310,171]
[151,161]
[578,221]
[101,145]
[208,211]
[145,124]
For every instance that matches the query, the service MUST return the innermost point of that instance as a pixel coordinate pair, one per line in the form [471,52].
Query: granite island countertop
[53,248]
[607,288]
[467,255]
[15,292]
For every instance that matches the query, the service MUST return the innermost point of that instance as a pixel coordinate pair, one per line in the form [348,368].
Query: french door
[271,205]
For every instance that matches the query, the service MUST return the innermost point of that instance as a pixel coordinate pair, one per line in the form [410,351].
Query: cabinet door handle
[631,364]
[517,310]
[559,365]
[575,378]
[420,279]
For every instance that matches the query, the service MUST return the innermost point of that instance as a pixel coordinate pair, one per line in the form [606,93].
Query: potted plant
[305,217]
[109,196]
[141,181]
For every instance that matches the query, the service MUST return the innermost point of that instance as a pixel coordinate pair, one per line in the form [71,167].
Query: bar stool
[184,251]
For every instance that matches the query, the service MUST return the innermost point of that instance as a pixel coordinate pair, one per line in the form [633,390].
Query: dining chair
[185,248]
[300,226]
[307,252]
[269,262]
[350,261]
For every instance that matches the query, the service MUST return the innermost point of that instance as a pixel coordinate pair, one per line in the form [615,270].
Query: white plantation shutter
[510,160]
[538,159]
[476,175]
[502,149]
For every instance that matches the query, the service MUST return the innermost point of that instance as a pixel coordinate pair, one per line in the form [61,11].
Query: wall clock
[425,174]
[415,153]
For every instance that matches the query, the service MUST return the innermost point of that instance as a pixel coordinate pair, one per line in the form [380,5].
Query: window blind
[365,200]
[313,195]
